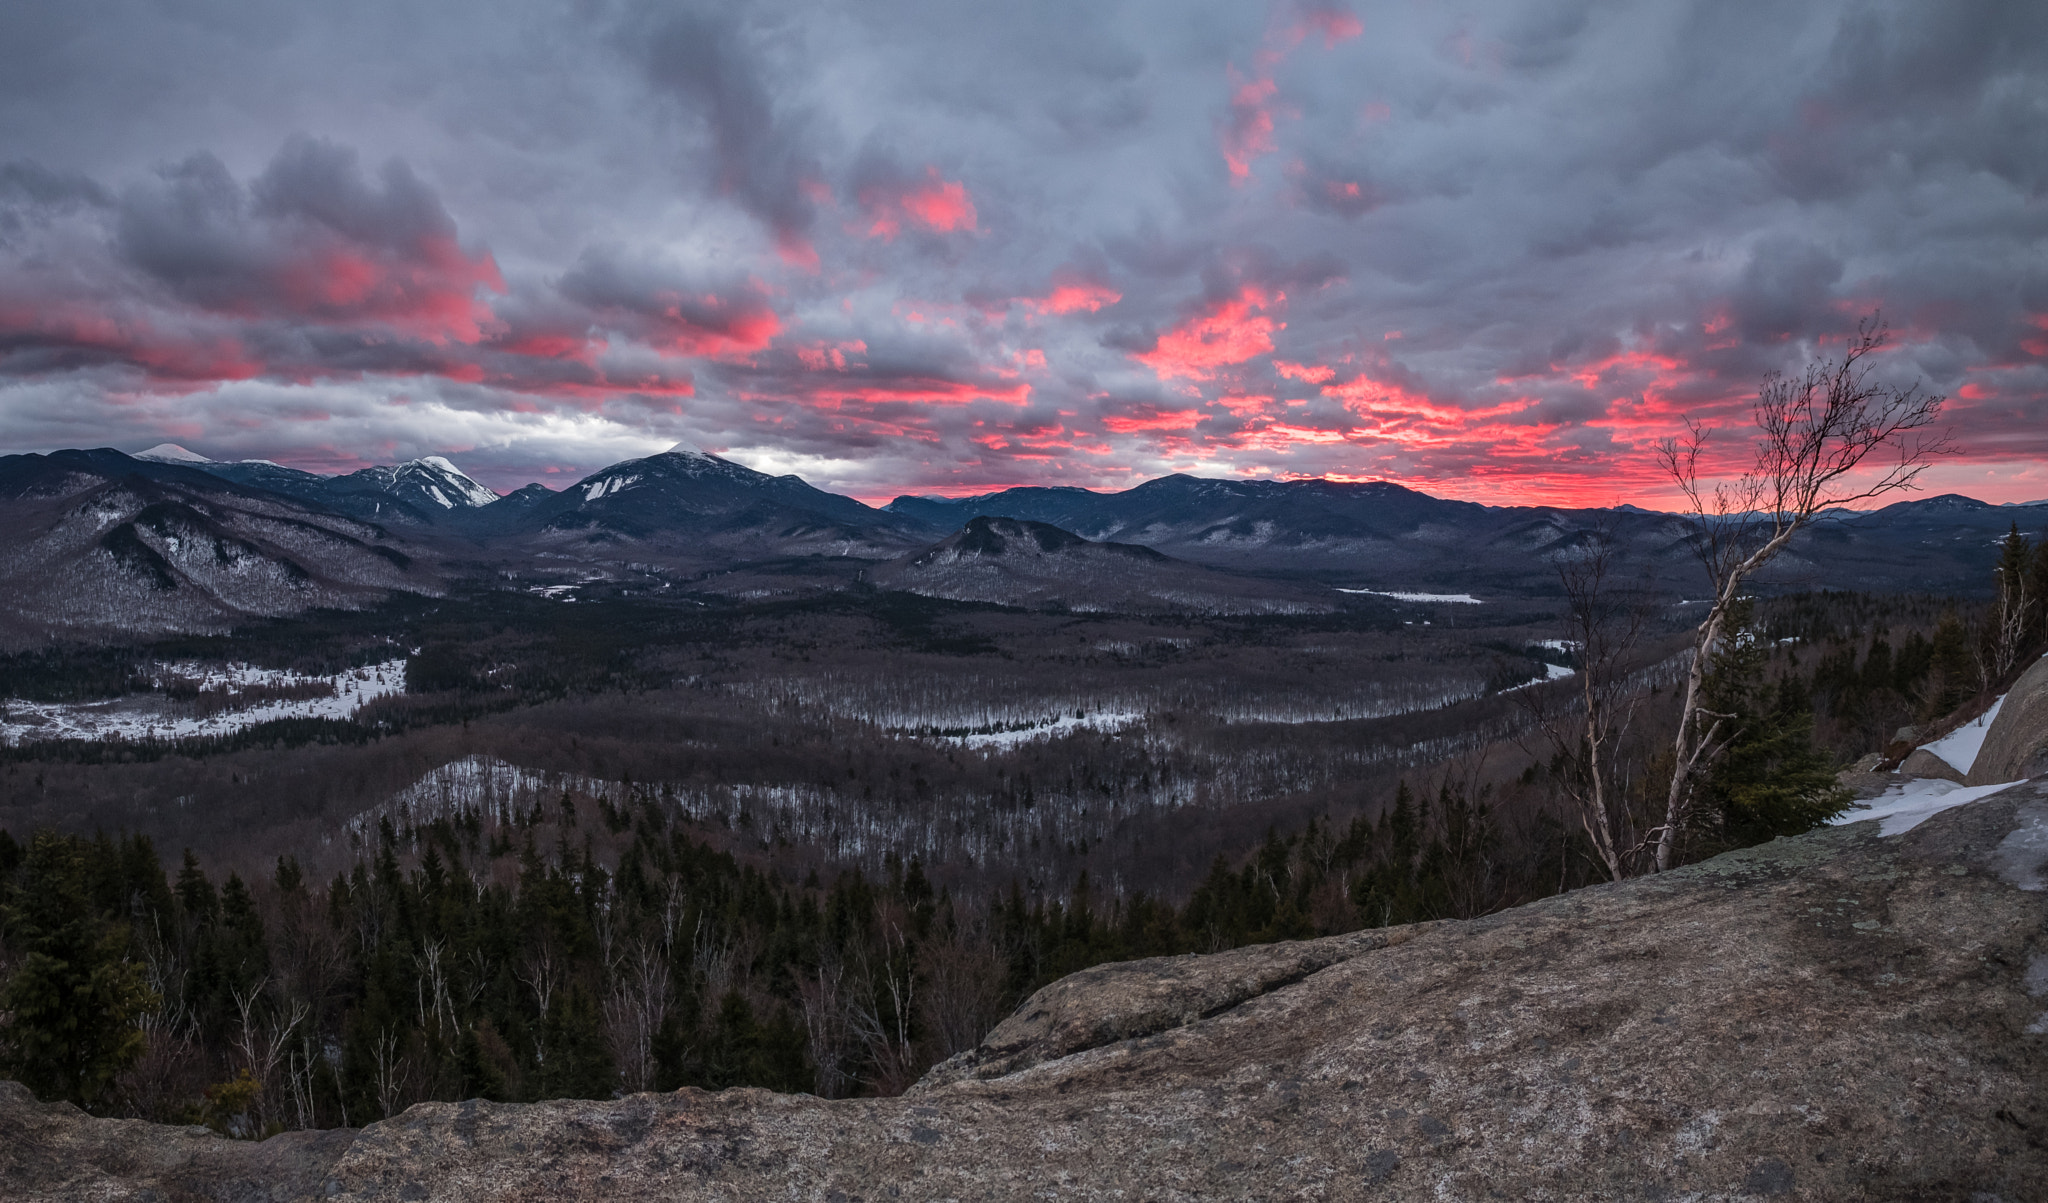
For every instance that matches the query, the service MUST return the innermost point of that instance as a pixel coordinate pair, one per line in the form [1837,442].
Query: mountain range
[97,544]
[1018,562]
[170,540]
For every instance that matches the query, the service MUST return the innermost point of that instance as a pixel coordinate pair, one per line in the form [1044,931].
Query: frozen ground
[1960,746]
[233,697]
[1904,807]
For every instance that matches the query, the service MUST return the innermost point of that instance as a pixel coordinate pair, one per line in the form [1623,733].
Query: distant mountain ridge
[420,491]
[1018,562]
[696,503]
[690,511]
[97,543]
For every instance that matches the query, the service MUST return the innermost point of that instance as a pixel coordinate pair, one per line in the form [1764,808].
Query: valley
[690,775]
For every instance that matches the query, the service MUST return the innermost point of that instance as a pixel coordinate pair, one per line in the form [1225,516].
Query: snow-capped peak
[453,480]
[686,449]
[171,453]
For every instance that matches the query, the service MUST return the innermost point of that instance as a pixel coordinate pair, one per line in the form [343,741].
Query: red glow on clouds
[1151,417]
[797,251]
[1075,296]
[1606,371]
[427,290]
[1249,132]
[1334,24]
[822,357]
[2037,347]
[937,204]
[1312,374]
[1222,333]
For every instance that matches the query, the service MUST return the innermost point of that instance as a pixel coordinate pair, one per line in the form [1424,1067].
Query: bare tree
[1815,431]
[963,995]
[635,1009]
[2012,615]
[828,1036]
[1585,726]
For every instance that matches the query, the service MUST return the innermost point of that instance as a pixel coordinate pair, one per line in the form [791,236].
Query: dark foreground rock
[1841,1016]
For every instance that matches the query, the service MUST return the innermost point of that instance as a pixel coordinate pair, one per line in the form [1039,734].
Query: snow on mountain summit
[171,453]
[454,480]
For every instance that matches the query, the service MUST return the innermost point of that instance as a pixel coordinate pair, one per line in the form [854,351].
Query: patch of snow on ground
[1960,746]
[1551,672]
[1904,807]
[149,716]
[1462,599]
[1065,724]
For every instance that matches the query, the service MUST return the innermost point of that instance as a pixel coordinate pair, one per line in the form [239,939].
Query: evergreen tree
[1771,780]
[575,1063]
[73,1002]
[1952,671]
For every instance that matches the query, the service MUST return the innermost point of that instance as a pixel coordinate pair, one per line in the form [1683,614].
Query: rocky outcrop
[2016,745]
[1840,1016]
[1922,763]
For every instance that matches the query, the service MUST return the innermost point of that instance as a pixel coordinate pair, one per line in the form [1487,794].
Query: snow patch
[239,695]
[1904,807]
[1551,672]
[610,484]
[1959,747]
[1065,724]
[1461,599]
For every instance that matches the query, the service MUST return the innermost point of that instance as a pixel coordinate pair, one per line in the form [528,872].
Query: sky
[1487,250]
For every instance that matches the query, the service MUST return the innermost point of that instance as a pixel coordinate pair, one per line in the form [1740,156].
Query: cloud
[660,306]
[1218,334]
[906,245]
[310,239]
[891,198]
[758,145]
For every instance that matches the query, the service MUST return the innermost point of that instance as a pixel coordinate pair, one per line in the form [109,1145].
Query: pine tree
[1952,674]
[1771,780]
[74,1001]
[576,1065]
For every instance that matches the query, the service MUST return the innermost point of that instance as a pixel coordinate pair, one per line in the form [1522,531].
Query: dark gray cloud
[705,63]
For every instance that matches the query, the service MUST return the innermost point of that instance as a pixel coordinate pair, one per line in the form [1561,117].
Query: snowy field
[230,698]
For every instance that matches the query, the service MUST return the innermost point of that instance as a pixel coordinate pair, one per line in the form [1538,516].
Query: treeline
[584,950]
[1872,666]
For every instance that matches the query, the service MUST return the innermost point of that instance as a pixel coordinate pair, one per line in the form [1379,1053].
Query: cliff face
[1838,1016]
